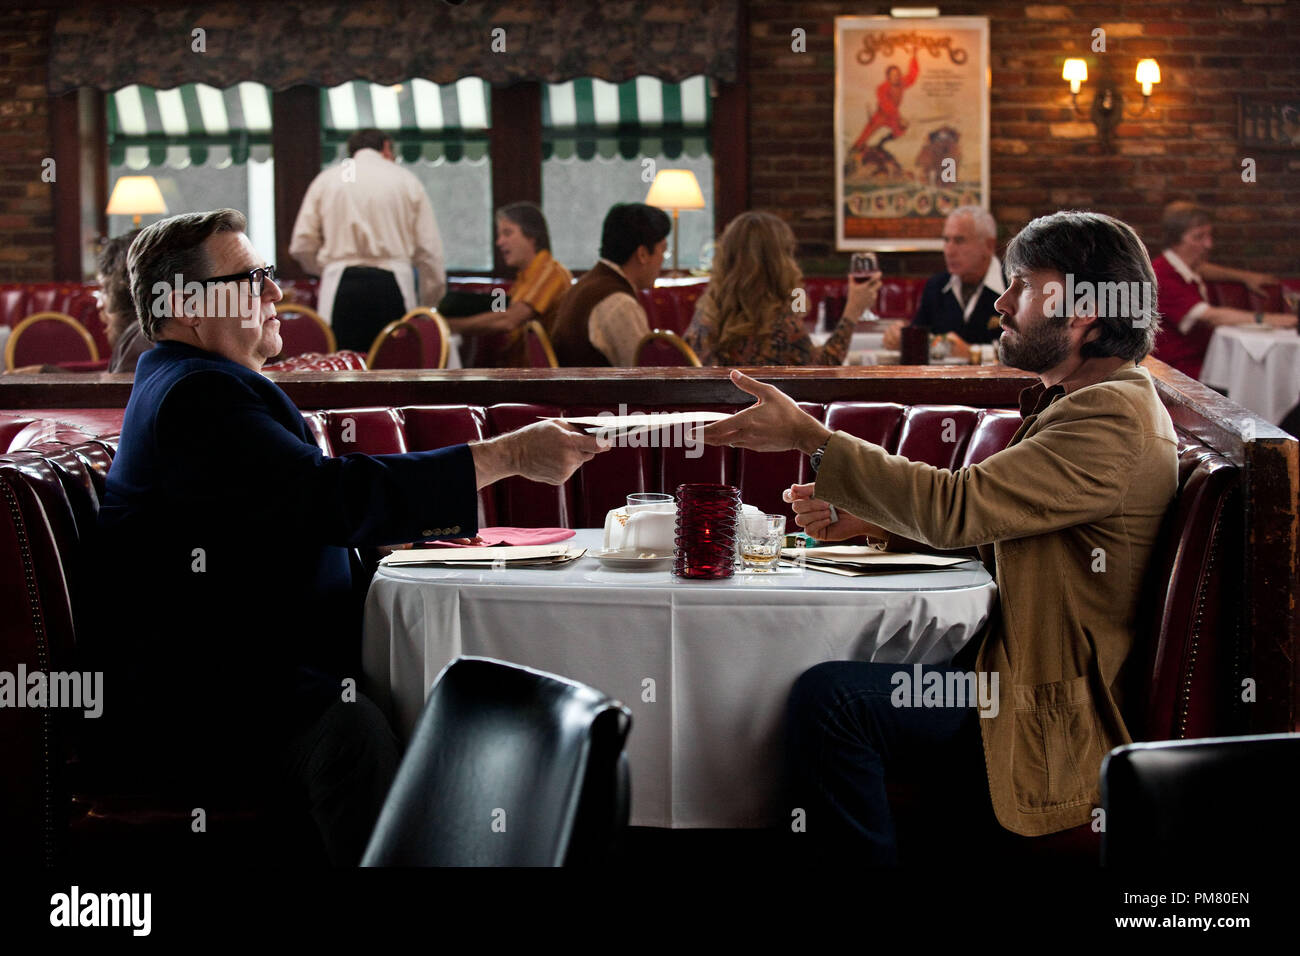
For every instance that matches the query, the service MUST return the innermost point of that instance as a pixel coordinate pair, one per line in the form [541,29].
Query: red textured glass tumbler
[706,531]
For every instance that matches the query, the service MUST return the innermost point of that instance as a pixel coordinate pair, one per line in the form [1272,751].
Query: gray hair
[1179,217]
[985,224]
[169,248]
[1095,248]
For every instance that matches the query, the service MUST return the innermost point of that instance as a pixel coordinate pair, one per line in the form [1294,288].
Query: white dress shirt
[369,212]
[992,279]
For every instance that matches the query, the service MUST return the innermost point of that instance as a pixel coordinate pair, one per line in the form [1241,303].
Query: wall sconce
[1108,104]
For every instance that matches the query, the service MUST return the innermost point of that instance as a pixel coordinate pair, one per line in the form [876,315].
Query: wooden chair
[662,348]
[420,339]
[303,330]
[49,337]
[435,335]
[540,352]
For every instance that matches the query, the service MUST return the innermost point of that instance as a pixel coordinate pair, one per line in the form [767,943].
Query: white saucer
[623,561]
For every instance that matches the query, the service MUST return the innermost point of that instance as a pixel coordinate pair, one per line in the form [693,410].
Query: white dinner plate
[622,561]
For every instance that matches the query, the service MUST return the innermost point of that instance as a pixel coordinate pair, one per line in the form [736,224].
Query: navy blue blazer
[941,313]
[223,546]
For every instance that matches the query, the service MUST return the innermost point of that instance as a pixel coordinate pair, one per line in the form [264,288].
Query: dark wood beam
[66,189]
[99,150]
[515,144]
[295,144]
[731,136]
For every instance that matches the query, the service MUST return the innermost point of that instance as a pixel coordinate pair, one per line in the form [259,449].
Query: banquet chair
[663,348]
[396,346]
[46,338]
[435,336]
[507,766]
[302,329]
[1220,802]
[538,345]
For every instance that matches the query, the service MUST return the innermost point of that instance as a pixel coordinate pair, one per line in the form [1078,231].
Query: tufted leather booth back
[49,498]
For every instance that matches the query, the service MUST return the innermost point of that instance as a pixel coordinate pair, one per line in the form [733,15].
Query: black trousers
[367,300]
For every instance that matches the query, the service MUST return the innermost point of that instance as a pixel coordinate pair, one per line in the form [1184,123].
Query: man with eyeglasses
[224,615]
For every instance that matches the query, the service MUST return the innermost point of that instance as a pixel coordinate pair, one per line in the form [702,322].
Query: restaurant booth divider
[1220,635]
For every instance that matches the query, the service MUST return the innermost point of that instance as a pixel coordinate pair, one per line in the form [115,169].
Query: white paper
[861,554]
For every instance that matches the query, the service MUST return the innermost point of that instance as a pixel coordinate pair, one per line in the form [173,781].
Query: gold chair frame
[673,339]
[12,345]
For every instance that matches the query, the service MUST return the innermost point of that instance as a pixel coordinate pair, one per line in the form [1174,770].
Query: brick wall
[26,209]
[1041,158]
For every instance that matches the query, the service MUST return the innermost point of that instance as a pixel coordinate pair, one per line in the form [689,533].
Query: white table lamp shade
[136,196]
[675,189]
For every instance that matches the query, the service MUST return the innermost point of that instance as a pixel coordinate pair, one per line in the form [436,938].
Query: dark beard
[1044,348]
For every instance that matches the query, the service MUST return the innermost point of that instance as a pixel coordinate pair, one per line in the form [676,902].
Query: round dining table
[1258,366]
[705,666]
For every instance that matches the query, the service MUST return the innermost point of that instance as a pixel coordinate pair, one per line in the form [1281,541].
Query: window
[207,148]
[596,139]
[440,135]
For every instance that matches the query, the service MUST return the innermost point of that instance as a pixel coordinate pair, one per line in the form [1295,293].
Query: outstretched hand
[773,423]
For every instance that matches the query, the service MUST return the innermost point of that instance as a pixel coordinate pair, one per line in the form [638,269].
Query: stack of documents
[854,560]
[520,556]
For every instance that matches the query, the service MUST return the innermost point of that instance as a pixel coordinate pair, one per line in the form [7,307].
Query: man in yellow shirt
[525,244]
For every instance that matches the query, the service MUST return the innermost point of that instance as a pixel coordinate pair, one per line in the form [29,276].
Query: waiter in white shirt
[362,227]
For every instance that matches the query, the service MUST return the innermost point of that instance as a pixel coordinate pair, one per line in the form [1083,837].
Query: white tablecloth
[1258,368]
[860,342]
[705,667]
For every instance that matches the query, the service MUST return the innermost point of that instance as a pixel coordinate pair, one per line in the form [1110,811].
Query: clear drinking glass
[761,538]
[650,501]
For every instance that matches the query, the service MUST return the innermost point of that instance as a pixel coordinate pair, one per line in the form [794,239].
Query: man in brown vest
[601,320]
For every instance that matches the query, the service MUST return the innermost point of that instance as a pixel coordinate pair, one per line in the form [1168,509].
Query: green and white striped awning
[191,124]
[426,120]
[644,116]
[196,124]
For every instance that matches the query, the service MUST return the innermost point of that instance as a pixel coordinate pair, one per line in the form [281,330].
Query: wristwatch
[1259,318]
[816,458]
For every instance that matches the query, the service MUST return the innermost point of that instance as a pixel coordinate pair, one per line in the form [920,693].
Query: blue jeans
[845,738]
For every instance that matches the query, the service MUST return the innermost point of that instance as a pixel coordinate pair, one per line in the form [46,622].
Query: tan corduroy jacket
[1081,488]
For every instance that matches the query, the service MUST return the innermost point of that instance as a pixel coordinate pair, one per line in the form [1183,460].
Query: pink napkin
[512,536]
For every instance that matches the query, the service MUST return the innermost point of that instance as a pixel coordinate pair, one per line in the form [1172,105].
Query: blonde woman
[747,315]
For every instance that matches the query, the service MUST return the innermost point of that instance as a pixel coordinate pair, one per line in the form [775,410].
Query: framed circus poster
[911,127]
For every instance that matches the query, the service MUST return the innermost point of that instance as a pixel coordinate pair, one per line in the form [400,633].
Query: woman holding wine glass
[748,314]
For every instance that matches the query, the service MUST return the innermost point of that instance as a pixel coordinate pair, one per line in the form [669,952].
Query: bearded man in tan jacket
[1091,471]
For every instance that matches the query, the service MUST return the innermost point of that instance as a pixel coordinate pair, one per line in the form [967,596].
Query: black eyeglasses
[255,277]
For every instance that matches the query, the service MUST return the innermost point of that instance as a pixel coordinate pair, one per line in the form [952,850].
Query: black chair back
[1216,802]
[508,766]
